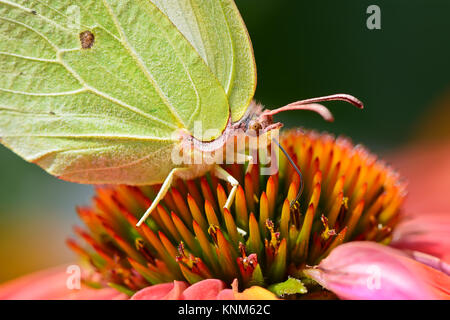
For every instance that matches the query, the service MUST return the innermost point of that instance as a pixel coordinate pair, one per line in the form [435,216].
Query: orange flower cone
[332,243]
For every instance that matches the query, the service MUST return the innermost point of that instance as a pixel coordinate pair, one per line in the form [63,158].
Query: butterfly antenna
[300,191]
[313,105]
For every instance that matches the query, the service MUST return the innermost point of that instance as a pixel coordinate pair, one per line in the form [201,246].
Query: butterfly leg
[250,164]
[162,192]
[222,174]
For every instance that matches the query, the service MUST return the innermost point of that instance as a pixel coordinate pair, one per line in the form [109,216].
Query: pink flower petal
[164,291]
[207,289]
[426,168]
[226,294]
[51,284]
[367,270]
[429,233]
[430,261]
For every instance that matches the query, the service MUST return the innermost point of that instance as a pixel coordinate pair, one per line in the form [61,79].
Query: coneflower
[266,238]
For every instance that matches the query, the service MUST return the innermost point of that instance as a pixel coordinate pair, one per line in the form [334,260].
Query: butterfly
[103,91]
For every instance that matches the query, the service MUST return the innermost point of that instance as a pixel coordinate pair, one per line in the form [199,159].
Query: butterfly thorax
[254,123]
[253,130]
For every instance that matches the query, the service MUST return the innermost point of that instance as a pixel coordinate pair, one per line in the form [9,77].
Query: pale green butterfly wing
[104,114]
[218,33]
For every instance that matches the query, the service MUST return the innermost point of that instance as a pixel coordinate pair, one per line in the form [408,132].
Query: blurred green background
[303,49]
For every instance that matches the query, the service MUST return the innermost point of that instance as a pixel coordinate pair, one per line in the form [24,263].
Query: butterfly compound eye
[87,39]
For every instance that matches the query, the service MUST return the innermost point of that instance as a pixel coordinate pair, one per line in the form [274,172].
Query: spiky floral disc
[348,195]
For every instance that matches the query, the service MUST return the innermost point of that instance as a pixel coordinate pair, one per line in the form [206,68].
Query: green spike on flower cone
[262,239]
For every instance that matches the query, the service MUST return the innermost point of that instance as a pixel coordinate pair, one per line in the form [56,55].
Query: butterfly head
[256,122]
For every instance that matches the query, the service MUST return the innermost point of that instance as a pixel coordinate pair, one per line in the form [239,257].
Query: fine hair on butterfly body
[112,91]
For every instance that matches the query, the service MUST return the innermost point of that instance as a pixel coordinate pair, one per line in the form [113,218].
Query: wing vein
[31,29]
[231,72]
[140,63]
[198,105]
[129,164]
[121,80]
[112,99]
[18,6]
[44,94]
[82,82]
[40,157]
[202,41]
[90,136]
[71,115]
[27,57]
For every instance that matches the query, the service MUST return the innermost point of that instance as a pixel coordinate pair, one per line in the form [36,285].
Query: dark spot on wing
[87,39]
[34,12]
[52,113]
